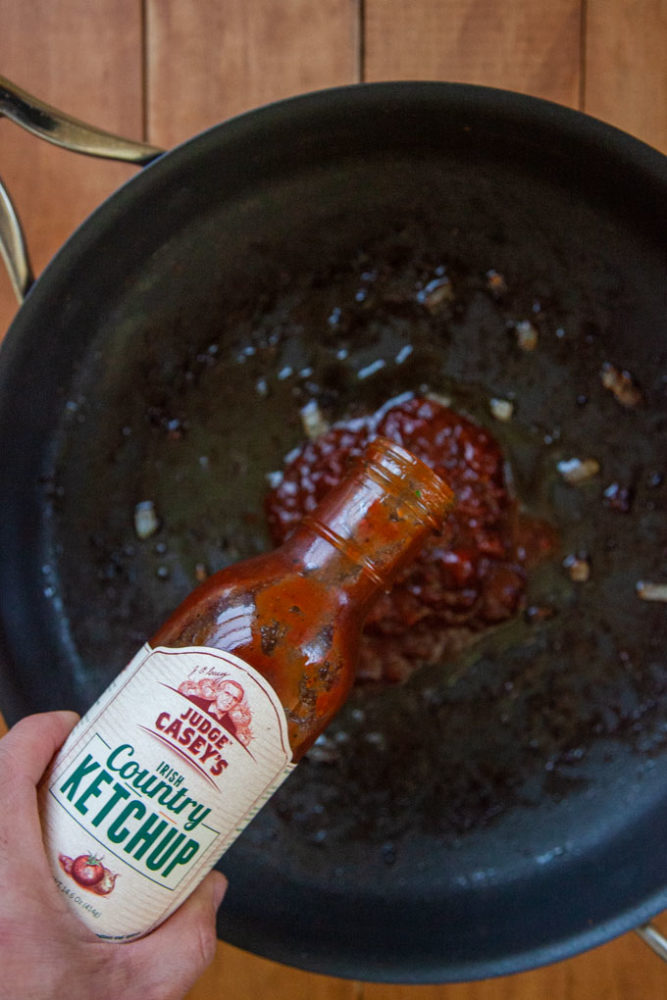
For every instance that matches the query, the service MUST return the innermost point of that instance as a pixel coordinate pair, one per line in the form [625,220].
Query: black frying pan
[494,813]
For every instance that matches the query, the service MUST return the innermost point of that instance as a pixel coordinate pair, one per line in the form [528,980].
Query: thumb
[29,745]
[174,955]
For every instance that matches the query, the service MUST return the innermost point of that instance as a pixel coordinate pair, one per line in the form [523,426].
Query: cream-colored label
[156,781]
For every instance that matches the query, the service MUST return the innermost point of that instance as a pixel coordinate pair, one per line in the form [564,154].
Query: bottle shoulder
[298,632]
[242,605]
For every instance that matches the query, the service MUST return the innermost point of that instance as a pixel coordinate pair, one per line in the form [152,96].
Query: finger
[25,753]
[27,749]
[177,953]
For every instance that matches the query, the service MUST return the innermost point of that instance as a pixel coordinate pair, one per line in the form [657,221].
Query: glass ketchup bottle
[192,738]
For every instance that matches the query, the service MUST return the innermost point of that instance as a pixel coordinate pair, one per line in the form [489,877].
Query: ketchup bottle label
[156,781]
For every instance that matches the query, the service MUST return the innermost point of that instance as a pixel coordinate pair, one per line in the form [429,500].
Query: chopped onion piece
[501,409]
[578,567]
[146,521]
[436,293]
[578,470]
[622,385]
[438,397]
[526,335]
[652,591]
[313,420]
[496,283]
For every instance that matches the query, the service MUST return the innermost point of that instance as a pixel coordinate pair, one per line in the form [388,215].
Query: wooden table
[164,69]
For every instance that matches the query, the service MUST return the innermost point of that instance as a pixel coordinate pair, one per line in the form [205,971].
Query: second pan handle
[63,130]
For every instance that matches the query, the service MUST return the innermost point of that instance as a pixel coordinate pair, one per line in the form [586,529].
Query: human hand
[45,951]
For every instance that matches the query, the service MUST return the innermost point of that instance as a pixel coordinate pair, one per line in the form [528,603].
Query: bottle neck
[373,524]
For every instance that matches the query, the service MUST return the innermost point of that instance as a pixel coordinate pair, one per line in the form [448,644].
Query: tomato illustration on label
[89,872]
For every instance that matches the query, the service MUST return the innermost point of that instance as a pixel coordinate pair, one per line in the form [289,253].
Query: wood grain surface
[86,59]
[209,61]
[626,66]
[524,45]
[165,69]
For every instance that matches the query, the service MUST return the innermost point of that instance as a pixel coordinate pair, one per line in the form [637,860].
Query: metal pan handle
[651,936]
[62,130]
[13,248]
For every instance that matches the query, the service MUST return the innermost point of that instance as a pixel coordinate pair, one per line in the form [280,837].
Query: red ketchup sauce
[469,576]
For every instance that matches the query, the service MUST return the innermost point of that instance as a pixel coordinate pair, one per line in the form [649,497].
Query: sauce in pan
[469,576]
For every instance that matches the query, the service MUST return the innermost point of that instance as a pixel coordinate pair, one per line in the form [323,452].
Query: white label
[156,781]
